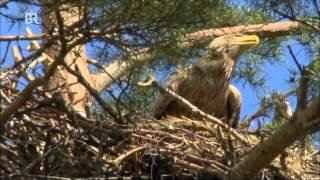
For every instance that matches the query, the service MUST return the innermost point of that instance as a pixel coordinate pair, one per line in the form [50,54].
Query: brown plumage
[206,83]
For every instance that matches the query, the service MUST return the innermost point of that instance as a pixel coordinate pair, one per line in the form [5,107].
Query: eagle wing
[164,100]
[234,102]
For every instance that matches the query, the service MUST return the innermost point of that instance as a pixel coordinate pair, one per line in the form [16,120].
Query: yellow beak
[246,40]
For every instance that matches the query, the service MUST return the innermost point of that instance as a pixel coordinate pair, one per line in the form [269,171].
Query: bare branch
[22,70]
[313,25]
[24,38]
[295,59]
[92,91]
[119,159]
[26,93]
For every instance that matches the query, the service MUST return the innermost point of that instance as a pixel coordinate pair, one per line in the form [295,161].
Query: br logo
[31,18]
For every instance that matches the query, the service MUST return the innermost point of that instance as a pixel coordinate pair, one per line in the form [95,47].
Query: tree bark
[271,29]
[73,92]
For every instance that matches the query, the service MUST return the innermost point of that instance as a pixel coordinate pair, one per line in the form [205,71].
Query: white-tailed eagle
[206,84]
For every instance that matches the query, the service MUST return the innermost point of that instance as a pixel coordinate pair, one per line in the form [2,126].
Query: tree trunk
[65,83]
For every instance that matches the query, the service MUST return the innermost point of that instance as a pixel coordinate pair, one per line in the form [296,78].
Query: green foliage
[155,21]
[278,109]
[274,125]
[306,9]
[141,99]
[315,81]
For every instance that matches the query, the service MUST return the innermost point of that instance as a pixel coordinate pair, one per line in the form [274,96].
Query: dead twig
[119,159]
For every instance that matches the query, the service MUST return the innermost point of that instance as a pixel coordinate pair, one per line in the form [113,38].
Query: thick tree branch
[116,69]
[26,93]
[4,3]
[119,67]
[305,120]
[302,90]
[262,154]
[26,38]
[269,28]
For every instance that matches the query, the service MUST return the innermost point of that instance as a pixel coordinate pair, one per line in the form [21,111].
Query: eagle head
[231,46]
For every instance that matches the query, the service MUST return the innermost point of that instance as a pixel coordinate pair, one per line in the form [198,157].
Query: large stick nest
[47,141]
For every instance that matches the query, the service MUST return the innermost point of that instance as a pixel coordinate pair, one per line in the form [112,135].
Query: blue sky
[276,75]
